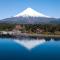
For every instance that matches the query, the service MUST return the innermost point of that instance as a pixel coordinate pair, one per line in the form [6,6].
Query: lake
[10,50]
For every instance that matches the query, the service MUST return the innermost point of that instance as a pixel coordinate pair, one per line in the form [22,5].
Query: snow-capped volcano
[30,12]
[30,16]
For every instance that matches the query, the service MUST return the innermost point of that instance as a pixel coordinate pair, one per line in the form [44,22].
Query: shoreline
[30,36]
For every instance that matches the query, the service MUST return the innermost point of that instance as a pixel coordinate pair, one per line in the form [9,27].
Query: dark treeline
[45,27]
[6,27]
[30,27]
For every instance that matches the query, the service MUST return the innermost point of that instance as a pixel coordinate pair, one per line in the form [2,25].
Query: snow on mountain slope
[30,12]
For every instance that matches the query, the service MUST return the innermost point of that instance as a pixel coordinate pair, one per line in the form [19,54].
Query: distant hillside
[30,20]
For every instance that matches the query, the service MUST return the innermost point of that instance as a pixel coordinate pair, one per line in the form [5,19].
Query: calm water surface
[9,50]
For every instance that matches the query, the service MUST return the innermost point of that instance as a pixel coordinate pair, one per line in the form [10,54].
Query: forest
[36,28]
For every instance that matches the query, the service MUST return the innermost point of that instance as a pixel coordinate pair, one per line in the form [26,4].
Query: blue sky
[9,8]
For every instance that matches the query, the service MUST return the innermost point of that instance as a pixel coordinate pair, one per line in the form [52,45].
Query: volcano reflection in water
[10,50]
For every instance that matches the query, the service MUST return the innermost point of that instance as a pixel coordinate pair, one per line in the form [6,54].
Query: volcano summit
[30,12]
